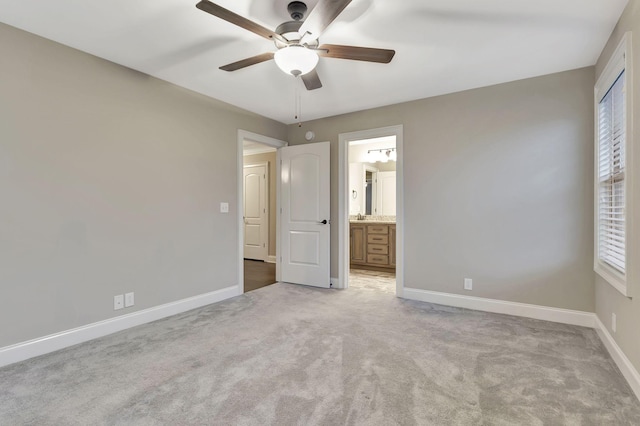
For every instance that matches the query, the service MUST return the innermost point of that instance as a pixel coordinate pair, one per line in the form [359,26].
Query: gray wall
[498,188]
[110,182]
[608,299]
[268,157]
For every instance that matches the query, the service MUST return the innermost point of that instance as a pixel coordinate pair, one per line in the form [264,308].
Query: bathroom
[372,213]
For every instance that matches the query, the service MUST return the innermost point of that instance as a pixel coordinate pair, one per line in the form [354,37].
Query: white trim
[565,316]
[271,259]
[249,152]
[617,63]
[626,367]
[620,60]
[343,201]
[63,339]
[254,137]
[335,282]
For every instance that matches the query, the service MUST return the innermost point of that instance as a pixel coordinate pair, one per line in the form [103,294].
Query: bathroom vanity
[373,243]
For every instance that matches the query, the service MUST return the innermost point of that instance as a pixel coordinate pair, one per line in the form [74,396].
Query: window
[612,169]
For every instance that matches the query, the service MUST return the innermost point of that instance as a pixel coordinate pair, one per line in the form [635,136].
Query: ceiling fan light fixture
[296,60]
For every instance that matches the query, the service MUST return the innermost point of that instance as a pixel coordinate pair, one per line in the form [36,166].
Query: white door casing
[342,280]
[243,136]
[256,224]
[305,227]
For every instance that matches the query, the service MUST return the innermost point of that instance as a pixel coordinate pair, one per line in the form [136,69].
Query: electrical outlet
[224,207]
[614,321]
[468,284]
[118,302]
[128,300]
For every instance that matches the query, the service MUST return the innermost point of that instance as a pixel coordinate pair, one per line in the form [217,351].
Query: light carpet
[292,355]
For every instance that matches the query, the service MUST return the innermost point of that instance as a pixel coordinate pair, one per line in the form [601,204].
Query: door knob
[324,222]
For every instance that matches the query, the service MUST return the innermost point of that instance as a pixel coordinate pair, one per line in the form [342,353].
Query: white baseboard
[565,316]
[626,367]
[271,259]
[56,341]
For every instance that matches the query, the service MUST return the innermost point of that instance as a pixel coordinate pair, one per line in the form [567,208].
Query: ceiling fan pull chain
[297,103]
[298,83]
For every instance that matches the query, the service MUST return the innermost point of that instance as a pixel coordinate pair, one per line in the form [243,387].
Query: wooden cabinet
[358,243]
[392,245]
[373,245]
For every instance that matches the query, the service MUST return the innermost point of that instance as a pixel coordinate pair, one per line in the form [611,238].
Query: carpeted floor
[291,355]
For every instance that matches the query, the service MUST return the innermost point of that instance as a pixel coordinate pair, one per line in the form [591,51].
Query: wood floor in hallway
[258,274]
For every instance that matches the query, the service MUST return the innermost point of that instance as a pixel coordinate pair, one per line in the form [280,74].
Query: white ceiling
[442,46]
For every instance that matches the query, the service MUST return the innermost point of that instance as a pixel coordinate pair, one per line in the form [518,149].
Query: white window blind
[611,176]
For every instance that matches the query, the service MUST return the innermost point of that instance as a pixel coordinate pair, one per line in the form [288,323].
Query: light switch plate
[128,300]
[224,207]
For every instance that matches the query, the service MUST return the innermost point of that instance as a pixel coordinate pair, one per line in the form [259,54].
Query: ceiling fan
[297,40]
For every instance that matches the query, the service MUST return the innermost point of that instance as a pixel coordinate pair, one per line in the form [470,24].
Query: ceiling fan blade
[248,62]
[236,19]
[311,80]
[355,53]
[321,17]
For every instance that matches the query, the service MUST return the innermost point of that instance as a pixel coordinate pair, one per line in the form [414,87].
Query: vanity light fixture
[381,155]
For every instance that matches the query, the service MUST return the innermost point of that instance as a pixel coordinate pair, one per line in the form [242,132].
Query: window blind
[611,175]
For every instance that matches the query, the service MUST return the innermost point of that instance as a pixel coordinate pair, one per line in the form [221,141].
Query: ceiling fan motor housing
[290,31]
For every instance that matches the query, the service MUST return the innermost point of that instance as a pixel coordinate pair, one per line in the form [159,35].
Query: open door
[305,227]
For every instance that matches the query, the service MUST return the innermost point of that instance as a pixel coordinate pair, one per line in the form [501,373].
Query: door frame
[343,201]
[264,233]
[275,143]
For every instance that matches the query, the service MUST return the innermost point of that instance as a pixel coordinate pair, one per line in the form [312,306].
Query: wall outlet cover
[128,300]
[224,207]
[468,284]
[118,302]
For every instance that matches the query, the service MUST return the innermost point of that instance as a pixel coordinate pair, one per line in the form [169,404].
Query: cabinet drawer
[378,229]
[378,259]
[377,249]
[378,239]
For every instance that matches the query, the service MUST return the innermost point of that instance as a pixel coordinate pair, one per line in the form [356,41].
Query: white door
[255,212]
[386,193]
[305,228]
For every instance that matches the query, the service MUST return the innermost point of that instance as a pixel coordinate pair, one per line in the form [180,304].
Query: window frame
[619,62]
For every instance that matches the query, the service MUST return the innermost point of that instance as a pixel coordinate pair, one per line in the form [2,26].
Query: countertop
[372,220]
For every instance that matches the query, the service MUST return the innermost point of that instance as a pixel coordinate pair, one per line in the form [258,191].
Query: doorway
[258,201]
[371,209]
